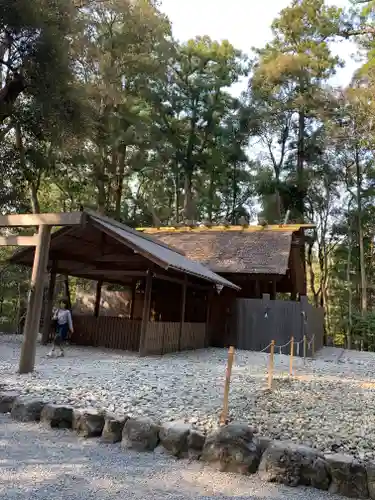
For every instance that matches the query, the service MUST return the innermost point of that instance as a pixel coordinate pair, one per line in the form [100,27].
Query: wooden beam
[183,310]
[105,279]
[18,241]
[58,219]
[67,291]
[273,290]
[164,277]
[34,308]
[98,297]
[145,314]
[247,229]
[119,258]
[210,298]
[49,305]
[113,273]
[134,291]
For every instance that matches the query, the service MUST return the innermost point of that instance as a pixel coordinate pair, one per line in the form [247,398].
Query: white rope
[309,344]
[265,349]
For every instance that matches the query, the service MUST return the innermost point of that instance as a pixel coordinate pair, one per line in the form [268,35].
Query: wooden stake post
[224,414]
[291,356]
[271,364]
[304,347]
[34,308]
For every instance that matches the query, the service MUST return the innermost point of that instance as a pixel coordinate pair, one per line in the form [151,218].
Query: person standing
[64,325]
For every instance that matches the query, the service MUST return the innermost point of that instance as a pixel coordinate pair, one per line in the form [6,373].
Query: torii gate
[41,241]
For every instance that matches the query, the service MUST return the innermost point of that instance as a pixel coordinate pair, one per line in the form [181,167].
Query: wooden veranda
[175,292]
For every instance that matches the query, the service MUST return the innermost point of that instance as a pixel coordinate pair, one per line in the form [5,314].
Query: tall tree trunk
[234,194]
[177,192]
[31,183]
[101,194]
[119,189]
[350,294]
[362,262]
[300,205]
[211,191]
[310,265]
[188,195]
[35,207]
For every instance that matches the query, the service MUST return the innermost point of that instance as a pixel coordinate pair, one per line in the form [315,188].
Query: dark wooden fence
[106,331]
[163,337]
[259,321]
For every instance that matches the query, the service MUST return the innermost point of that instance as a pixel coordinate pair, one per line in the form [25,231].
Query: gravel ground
[329,404]
[41,464]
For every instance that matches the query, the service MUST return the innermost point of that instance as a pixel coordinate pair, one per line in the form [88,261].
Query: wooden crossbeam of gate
[41,242]
[18,241]
[58,219]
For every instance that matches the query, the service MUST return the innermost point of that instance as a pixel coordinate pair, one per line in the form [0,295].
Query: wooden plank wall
[106,331]
[163,337]
[315,325]
[257,322]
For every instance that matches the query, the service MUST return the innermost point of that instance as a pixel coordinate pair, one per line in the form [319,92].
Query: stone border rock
[231,448]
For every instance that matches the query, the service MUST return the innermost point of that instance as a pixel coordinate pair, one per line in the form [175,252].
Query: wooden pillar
[210,298]
[132,305]
[183,309]
[67,291]
[257,289]
[98,297]
[273,289]
[145,313]
[34,307]
[49,305]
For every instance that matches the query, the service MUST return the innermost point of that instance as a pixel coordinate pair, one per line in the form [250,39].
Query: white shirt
[63,317]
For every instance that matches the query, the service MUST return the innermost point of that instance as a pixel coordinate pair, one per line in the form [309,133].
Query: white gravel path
[330,404]
[43,464]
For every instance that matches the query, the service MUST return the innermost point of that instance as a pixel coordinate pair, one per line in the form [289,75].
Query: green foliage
[100,107]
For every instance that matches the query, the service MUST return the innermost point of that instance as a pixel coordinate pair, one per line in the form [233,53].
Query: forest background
[101,107]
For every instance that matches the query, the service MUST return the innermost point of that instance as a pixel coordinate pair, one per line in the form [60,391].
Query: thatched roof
[233,251]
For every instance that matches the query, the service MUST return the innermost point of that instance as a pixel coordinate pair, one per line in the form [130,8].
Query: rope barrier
[265,349]
[297,344]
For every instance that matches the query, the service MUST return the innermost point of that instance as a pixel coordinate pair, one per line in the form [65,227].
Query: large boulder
[88,423]
[113,427]
[232,448]
[195,444]
[141,434]
[58,416]
[6,401]
[291,464]
[174,437]
[263,443]
[349,476]
[27,409]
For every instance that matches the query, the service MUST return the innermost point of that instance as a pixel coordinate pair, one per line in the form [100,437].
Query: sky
[245,23]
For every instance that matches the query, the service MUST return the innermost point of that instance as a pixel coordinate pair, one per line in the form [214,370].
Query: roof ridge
[288,228]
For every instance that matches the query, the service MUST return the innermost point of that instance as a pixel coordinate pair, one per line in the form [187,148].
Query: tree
[125,43]
[289,74]
[192,107]
[35,56]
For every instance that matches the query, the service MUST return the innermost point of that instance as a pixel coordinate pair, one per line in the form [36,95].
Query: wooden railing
[163,337]
[106,331]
